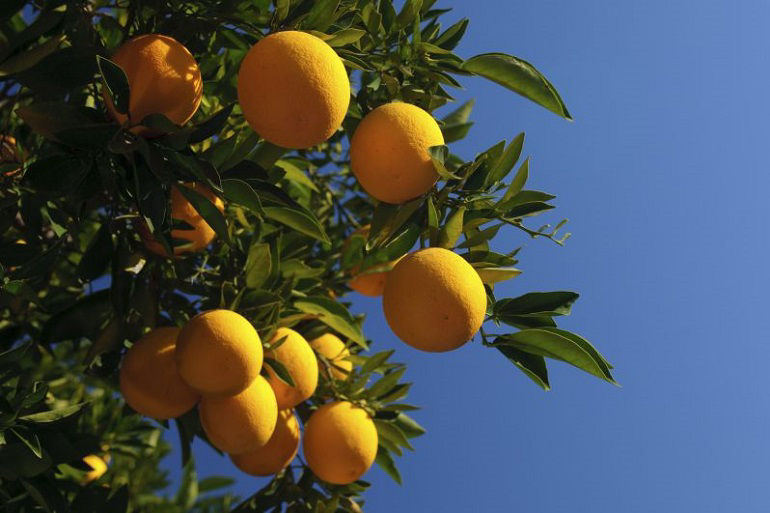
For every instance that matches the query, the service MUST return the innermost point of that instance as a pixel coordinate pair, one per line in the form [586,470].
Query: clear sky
[664,177]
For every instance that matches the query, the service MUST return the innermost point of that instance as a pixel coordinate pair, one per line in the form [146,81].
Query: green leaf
[321,15]
[11,356]
[586,345]
[280,370]
[300,220]
[33,443]
[345,37]
[481,237]
[296,175]
[438,155]
[207,210]
[507,160]
[451,36]
[524,197]
[258,265]
[386,463]
[50,117]
[214,483]
[27,59]
[241,193]
[544,342]
[537,304]
[333,315]
[392,432]
[188,488]
[528,209]
[492,275]
[211,126]
[53,415]
[267,154]
[116,82]
[518,181]
[452,230]
[374,362]
[532,365]
[98,254]
[384,385]
[409,426]
[409,12]
[520,76]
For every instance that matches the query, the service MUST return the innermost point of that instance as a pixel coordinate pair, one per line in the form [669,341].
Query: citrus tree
[192,192]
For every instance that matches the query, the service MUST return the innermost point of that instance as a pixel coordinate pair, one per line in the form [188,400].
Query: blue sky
[663,176]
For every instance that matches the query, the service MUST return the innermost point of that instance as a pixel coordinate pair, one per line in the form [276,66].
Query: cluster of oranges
[216,362]
[294,92]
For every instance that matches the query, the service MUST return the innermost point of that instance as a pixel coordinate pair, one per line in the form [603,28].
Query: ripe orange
[333,349]
[299,359]
[218,353]
[149,380]
[434,300]
[163,77]
[277,453]
[293,89]
[340,442]
[243,422]
[185,240]
[389,152]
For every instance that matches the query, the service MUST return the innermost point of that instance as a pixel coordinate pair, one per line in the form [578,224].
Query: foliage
[78,286]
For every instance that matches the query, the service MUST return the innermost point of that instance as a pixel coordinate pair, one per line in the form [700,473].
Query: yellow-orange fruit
[293,89]
[299,359]
[277,453]
[340,442]
[243,422]
[218,353]
[389,152]
[149,380]
[434,300]
[98,468]
[10,154]
[163,77]
[333,349]
[185,240]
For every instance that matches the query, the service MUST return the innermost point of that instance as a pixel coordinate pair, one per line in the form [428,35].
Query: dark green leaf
[280,370]
[214,483]
[300,220]
[211,126]
[532,365]
[258,265]
[451,36]
[333,315]
[116,82]
[97,255]
[519,76]
[544,342]
[241,193]
[53,415]
[207,210]
[386,463]
[321,15]
[452,230]
[537,303]
[507,160]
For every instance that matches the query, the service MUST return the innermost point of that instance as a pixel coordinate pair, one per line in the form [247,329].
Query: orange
[149,380]
[299,359]
[293,89]
[218,353]
[333,349]
[434,300]
[163,77]
[185,240]
[340,442]
[277,453]
[389,152]
[243,422]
